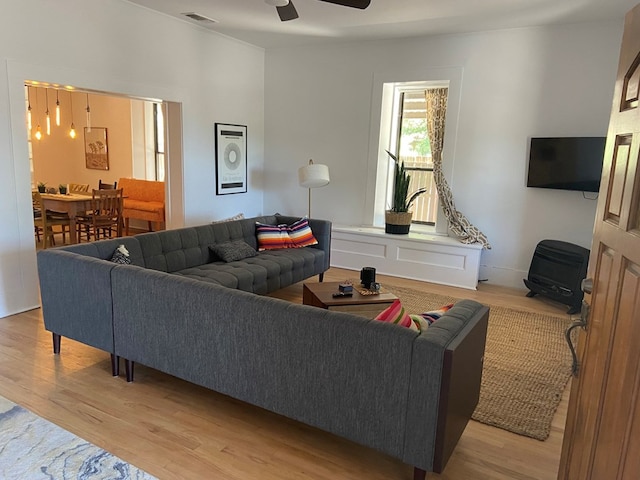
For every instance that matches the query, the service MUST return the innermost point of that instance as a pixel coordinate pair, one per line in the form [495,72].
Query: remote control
[342,294]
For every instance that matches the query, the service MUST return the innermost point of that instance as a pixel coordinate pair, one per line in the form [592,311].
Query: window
[407,138]
[400,95]
[158,135]
[411,141]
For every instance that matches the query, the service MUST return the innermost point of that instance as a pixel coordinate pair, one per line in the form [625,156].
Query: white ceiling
[257,23]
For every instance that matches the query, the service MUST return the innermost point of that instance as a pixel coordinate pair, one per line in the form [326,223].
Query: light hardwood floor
[176,430]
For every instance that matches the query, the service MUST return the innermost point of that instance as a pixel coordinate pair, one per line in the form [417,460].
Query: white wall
[546,81]
[114,46]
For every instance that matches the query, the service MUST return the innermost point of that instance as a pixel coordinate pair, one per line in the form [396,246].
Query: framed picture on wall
[96,152]
[231,158]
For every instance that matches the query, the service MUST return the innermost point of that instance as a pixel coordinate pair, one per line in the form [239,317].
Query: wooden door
[602,435]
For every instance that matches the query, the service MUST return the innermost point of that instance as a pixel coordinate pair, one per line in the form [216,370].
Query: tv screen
[566,163]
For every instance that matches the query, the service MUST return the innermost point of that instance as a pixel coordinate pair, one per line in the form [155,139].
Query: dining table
[71,204]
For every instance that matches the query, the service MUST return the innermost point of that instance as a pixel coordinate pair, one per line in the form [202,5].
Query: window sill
[417,233]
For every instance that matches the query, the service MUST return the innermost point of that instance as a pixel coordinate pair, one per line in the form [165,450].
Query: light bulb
[72,132]
[88,115]
[57,112]
[47,116]
[38,133]
[29,125]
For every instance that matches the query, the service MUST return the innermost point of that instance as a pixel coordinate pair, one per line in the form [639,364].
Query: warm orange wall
[59,159]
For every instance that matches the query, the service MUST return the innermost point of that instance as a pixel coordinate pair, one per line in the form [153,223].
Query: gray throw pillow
[232,251]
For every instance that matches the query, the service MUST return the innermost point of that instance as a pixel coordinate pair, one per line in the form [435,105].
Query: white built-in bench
[420,256]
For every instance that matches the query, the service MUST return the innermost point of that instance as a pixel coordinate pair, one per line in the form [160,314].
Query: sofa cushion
[272,237]
[301,234]
[395,314]
[433,315]
[143,205]
[121,255]
[239,216]
[232,251]
[296,235]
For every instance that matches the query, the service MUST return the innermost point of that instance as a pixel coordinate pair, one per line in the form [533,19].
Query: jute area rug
[527,364]
[32,448]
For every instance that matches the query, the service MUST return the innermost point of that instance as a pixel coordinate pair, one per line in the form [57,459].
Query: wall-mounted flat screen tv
[566,163]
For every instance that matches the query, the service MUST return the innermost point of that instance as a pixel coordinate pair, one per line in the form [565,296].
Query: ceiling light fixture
[88,115]
[47,112]
[277,3]
[72,132]
[57,110]
[29,108]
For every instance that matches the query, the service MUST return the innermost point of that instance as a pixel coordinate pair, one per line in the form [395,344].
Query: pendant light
[29,108]
[57,109]
[72,132]
[47,112]
[38,130]
[88,115]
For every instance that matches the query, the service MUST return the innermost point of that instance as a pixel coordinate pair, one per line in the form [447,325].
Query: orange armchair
[143,200]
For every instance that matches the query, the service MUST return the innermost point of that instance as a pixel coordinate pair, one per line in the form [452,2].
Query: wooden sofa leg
[115,365]
[128,366]
[126,226]
[419,474]
[150,226]
[56,343]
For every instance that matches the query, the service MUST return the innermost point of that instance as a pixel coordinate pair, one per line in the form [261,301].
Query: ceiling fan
[287,11]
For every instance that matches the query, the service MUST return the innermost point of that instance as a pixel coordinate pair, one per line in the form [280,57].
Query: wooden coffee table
[320,295]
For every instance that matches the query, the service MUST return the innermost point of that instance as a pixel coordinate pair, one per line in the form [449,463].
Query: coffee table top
[314,293]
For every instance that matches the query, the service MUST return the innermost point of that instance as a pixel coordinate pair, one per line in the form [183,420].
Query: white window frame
[384,88]
[397,104]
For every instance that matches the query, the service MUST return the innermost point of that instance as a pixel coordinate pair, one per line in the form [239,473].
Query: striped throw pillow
[301,234]
[272,237]
[296,235]
[395,314]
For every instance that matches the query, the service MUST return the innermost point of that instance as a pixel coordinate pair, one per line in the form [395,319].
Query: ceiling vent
[199,18]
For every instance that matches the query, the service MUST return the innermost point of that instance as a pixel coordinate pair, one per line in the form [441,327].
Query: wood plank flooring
[176,430]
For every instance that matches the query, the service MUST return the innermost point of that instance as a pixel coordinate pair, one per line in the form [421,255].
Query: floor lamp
[311,176]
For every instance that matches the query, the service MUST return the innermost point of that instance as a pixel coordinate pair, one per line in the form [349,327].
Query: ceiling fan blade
[288,12]
[361,4]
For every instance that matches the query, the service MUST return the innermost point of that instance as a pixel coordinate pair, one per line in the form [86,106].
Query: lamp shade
[313,175]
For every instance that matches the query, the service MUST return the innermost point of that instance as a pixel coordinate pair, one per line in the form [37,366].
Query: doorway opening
[78,136]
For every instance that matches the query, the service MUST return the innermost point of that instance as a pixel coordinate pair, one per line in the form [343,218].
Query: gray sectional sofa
[404,393]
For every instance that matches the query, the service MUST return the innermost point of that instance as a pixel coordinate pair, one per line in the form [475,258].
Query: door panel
[602,435]
[619,396]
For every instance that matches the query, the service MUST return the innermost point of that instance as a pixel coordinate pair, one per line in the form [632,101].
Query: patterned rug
[31,448]
[527,364]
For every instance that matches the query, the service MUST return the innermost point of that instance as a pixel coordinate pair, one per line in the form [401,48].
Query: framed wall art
[231,158]
[96,151]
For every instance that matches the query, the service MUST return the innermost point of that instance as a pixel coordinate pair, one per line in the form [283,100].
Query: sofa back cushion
[174,250]
[146,190]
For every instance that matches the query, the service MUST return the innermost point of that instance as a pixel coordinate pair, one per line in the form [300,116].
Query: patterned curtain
[436,109]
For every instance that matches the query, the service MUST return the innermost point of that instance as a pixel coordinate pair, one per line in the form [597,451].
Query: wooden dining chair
[104,220]
[107,186]
[45,220]
[78,187]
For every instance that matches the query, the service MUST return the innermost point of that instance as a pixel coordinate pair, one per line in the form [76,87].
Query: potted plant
[62,189]
[398,217]
[42,187]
